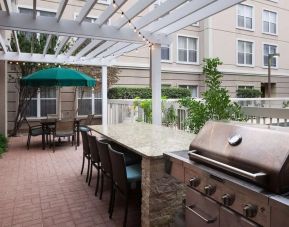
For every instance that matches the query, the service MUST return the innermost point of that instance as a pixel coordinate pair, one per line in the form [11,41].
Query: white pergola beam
[88,48]
[184,10]
[49,25]
[76,45]
[2,42]
[99,49]
[61,45]
[49,58]
[109,12]
[61,9]
[47,44]
[113,49]
[126,50]
[201,14]
[8,6]
[135,10]
[85,10]
[160,11]
[16,41]
[34,9]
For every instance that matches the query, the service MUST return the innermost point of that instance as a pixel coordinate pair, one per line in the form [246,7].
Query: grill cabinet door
[200,210]
[229,218]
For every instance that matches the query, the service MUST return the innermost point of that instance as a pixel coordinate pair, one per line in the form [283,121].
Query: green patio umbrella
[62,77]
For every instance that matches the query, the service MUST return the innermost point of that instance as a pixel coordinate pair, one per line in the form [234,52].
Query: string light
[131,24]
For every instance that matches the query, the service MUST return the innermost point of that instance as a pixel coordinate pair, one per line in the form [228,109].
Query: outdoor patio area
[42,188]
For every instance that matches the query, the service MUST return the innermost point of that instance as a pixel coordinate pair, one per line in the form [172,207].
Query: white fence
[259,110]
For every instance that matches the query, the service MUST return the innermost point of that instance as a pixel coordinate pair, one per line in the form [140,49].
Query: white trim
[198,50]
[104,2]
[253,17]
[277,19]
[277,48]
[253,53]
[37,8]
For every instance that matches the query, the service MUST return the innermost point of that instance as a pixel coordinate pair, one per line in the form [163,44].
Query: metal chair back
[93,148]
[104,156]
[85,144]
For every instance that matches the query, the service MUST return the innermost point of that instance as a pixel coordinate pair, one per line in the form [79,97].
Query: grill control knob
[228,199]
[250,210]
[210,189]
[195,182]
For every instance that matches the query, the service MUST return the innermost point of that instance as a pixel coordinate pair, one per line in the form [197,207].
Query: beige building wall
[217,37]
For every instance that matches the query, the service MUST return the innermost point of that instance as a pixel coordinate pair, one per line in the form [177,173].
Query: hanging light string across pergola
[132,25]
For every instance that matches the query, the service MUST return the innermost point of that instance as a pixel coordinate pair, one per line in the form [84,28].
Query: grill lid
[257,154]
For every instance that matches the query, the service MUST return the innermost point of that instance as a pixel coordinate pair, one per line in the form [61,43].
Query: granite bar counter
[162,195]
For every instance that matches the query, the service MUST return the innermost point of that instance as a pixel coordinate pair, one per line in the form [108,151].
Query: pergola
[136,27]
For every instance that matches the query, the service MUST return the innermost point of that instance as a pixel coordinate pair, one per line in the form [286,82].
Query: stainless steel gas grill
[236,175]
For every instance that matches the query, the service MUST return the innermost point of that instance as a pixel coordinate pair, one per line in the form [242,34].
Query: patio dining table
[162,195]
[52,121]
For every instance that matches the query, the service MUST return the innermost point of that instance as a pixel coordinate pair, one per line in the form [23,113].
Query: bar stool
[86,153]
[95,159]
[123,177]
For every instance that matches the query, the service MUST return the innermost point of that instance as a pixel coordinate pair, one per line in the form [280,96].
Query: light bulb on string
[129,23]
[122,15]
[113,4]
[139,34]
[134,29]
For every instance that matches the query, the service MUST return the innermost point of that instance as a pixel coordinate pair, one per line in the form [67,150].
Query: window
[166,85]
[38,12]
[187,49]
[89,102]
[196,24]
[245,87]
[44,102]
[245,53]
[165,53]
[269,22]
[269,49]
[192,88]
[245,17]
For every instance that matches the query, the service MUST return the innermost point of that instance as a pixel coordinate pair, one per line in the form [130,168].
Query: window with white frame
[269,49]
[245,52]
[43,103]
[165,53]
[187,49]
[242,87]
[89,102]
[245,17]
[38,12]
[269,22]
[192,88]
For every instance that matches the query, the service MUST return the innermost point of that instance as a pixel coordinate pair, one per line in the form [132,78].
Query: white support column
[156,85]
[3,98]
[104,94]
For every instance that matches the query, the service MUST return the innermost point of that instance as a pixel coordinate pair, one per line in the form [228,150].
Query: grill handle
[259,177]
[193,209]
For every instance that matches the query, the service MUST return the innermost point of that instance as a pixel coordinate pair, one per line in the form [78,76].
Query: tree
[216,103]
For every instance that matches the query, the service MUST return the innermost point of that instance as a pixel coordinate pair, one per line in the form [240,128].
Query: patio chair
[95,160]
[64,129]
[35,130]
[123,177]
[88,121]
[86,153]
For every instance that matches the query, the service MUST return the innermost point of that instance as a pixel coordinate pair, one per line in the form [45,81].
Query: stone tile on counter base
[162,194]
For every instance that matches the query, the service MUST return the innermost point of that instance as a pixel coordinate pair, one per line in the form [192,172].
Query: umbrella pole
[59,103]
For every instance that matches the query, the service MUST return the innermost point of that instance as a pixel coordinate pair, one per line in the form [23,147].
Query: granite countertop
[146,139]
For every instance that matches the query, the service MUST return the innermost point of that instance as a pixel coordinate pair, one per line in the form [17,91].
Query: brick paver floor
[42,188]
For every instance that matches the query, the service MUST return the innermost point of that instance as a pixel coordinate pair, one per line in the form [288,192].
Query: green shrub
[146,93]
[248,93]
[3,143]
[216,104]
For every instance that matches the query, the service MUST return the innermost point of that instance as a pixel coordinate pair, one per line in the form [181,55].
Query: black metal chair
[35,130]
[86,153]
[64,129]
[95,160]
[123,177]
[88,121]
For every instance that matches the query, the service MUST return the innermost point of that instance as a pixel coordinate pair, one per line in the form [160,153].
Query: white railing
[259,110]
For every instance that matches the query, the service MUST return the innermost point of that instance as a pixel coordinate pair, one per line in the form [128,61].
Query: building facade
[241,36]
